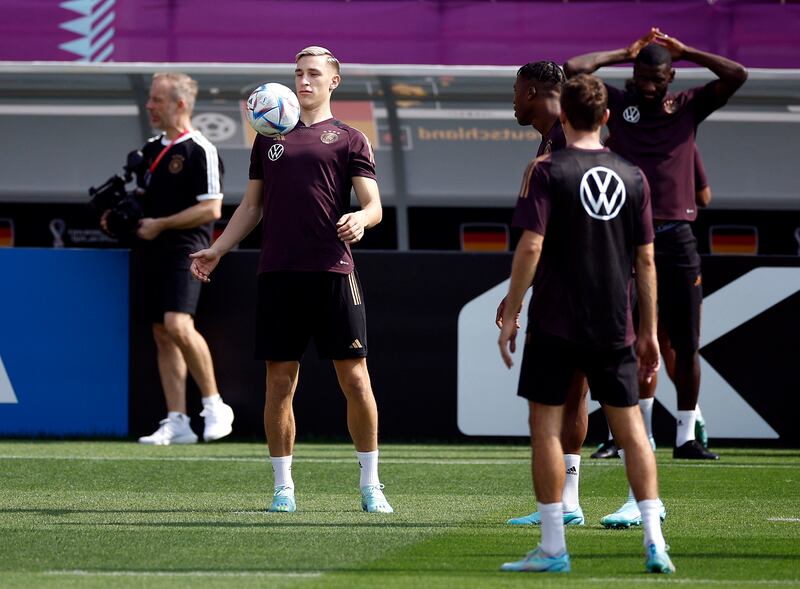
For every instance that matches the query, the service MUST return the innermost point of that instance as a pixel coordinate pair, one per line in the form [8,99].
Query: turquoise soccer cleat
[283,500]
[658,561]
[571,518]
[373,500]
[536,561]
[700,432]
[628,515]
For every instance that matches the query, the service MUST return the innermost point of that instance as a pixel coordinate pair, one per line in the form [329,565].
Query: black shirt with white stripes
[188,173]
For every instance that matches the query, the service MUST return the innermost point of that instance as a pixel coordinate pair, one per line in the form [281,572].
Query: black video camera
[124,210]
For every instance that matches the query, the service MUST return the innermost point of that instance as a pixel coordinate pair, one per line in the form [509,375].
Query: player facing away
[537,92]
[299,189]
[656,130]
[587,222]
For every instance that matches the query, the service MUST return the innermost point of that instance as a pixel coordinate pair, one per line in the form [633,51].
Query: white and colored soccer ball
[272,109]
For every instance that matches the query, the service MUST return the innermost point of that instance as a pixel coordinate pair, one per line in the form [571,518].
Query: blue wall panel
[64,342]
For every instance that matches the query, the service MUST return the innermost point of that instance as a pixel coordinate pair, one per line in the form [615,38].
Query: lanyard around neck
[164,151]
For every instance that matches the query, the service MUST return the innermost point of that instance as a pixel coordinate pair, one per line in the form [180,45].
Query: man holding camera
[182,198]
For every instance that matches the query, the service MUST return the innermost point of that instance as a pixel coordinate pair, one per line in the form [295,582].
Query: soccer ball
[272,110]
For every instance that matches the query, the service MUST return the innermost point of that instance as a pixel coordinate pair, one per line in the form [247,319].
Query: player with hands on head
[656,130]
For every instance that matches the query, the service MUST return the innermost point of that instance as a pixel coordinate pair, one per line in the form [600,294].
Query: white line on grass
[431,461]
[85,573]
[783,519]
[672,580]
[289,574]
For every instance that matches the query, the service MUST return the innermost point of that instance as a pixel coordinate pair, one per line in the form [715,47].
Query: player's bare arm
[351,226]
[523,269]
[730,73]
[703,197]
[195,216]
[501,308]
[591,62]
[244,219]
[647,351]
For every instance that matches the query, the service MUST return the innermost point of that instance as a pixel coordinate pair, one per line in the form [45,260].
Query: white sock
[646,407]
[553,542]
[685,431]
[282,470]
[569,496]
[210,401]
[178,416]
[610,435]
[651,522]
[368,461]
[698,415]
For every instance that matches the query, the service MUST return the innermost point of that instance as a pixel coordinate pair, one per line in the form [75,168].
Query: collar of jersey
[189,135]
[302,124]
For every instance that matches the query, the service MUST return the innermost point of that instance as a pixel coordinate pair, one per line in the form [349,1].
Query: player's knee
[686,355]
[356,385]
[179,327]
[161,335]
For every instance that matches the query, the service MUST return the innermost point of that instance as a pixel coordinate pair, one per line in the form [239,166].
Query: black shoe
[607,449]
[692,450]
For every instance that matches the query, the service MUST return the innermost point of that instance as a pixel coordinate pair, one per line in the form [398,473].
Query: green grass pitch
[117,514]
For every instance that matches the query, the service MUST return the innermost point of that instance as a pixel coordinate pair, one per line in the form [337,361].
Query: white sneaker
[218,419]
[172,430]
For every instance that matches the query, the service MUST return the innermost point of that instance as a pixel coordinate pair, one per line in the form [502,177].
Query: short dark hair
[547,73]
[584,100]
[654,55]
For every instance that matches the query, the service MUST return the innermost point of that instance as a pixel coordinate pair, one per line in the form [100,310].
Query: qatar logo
[94,27]
[631,114]
[602,193]
[275,152]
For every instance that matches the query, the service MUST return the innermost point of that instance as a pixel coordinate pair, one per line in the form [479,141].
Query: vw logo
[631,114]
[602,193]
[275,152]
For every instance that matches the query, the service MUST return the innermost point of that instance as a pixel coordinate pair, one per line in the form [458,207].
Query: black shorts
[294,307]
[550,363]
[169,290]
[680,286]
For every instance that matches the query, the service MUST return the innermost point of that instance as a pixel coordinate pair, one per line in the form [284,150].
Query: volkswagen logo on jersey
[602,193]
[275,151]
[631,114]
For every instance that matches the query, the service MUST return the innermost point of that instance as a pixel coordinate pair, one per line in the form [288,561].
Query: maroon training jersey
[661,143]
[554,140]
[307,182]
[593,208]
